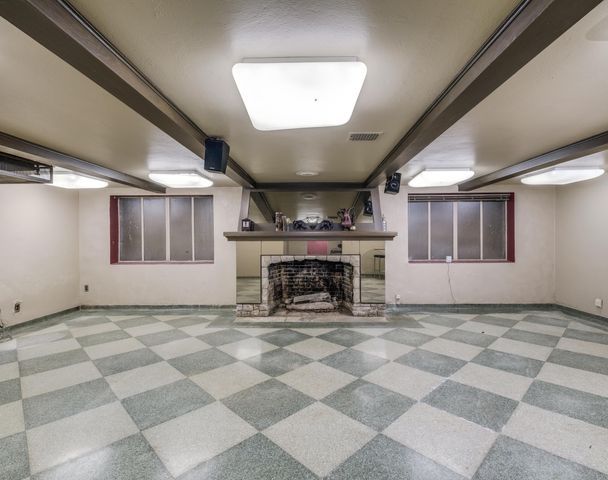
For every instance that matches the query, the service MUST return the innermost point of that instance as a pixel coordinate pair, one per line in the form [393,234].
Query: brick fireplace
[287,276]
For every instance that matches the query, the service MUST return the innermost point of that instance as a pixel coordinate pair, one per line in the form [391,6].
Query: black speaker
[393,183]
[216,155]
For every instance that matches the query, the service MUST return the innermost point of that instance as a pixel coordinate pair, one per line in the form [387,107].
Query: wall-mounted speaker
[393,183]
[216,155]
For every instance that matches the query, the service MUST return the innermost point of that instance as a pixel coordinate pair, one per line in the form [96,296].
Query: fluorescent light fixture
[562,176]
[441,177]
[286,93]
[181,179]
[65,179]
[307,173]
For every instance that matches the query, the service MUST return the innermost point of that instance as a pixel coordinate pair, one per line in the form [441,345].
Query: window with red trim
[461,227]
[161,229]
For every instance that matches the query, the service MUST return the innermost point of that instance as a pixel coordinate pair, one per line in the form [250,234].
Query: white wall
[160,284]
[582,245]
[530,279]
[38,251]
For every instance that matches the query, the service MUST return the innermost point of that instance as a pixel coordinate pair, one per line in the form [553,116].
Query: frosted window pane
[418,232]
[442,230]
[154,229]
[130,229]
[180,209]
[469,240]
[494,227]
[203,228]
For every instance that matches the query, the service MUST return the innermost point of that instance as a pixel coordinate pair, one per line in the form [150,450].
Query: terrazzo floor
[195,395]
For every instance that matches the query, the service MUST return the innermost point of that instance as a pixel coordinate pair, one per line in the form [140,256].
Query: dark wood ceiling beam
[528,30]
[58,26]
[309,187]
[575,150]
[69,162]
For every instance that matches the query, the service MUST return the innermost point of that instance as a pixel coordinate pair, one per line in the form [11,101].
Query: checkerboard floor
[192,395]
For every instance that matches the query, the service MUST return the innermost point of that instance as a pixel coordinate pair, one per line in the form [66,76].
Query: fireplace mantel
[310,235]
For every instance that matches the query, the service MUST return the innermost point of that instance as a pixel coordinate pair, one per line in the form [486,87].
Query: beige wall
[530,279]
[582,245]
[38,251]
[196,284]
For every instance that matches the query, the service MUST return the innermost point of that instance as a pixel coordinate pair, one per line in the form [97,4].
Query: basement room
[303,240]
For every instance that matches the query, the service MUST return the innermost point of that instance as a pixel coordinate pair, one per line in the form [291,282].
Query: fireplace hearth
[335,278]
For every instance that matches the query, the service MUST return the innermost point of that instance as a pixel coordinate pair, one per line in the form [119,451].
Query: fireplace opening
[310,286]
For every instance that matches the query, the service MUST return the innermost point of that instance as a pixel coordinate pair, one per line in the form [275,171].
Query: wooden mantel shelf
[309,235]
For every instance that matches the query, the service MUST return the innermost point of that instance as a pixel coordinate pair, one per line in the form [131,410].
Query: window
[161,229]
[476,227]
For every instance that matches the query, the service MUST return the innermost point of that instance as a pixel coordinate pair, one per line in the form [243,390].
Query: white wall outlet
[599,303]
[448,259]
[397,298]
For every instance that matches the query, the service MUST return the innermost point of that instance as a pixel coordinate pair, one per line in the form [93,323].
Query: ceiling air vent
[363,136]
[19,170]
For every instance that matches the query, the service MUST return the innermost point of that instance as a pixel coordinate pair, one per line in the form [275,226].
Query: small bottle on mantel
[384,224]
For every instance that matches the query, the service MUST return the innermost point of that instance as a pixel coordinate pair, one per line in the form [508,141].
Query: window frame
[115,232]
[455,198]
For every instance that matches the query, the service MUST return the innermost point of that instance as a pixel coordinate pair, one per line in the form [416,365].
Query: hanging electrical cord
[450,284]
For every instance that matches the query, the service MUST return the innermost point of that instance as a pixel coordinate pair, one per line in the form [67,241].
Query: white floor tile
[580,346]
[195,437]
[319,437]
[148,329]
[47,348]
[59,378]
[11,419]
[431,329]
[103,350]
[8,371]
[179,348]
[93,329]
[411,382]
[316,379]
[478,327]
[225,381]
[315,348]
[255,331]
[567,437]
[247,348]
[523,349]
[540,328]
[574,378]
[449,440]
[383,348]
[74,436]
[460,350]
[199,329]
[492,380]
[142,379]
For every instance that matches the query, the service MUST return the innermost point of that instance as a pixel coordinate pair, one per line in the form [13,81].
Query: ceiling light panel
[562,176]
[190,179]
[299,93]
[66,179]
[440,178]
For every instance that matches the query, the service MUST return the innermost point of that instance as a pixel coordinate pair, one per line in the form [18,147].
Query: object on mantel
[247,225]
[311,235]
[347,217]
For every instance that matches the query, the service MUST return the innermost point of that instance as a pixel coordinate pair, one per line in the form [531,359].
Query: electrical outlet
[599,303]
[448,259]
[397,298]
[17,307]
[86,289]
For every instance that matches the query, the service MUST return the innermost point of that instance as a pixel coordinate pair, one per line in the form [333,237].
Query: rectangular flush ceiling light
[181,179]
[440,178]
[66,179]
[562,176]
[281,94]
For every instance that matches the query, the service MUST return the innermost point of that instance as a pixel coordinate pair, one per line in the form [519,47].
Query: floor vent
[363,136]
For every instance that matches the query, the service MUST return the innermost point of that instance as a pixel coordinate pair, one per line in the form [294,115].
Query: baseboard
[470,307]
[592,317]
[44,318]
[153,307]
